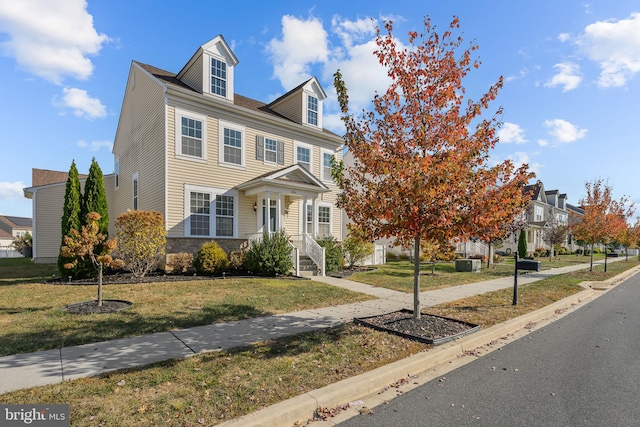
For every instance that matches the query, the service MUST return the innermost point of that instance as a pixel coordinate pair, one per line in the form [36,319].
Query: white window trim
[179,114]
[207,76]
[324,151]
[135,204]
[305,109]
[326,205]
[264,155]
[297,144]
[228,125]
[213,192]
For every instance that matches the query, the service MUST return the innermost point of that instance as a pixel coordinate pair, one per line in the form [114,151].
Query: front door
[272,216]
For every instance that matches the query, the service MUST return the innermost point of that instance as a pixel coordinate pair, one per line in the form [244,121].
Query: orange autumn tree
[421,154]
[628,237]
[603,219]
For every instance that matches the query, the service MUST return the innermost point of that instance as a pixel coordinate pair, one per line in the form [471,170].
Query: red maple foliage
[421,155]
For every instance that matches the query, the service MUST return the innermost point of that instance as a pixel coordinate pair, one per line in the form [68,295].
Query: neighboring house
[546,209]
[216,164]
[10,228]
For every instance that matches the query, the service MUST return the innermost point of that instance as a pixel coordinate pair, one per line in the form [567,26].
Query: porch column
[278,212]
[314,217]
[304,216]
[267,211]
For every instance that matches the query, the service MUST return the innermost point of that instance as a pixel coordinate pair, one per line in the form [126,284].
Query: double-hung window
[224,216]
[539,213]
[270,150]
[324,221]
[190,135]
[210,212]
[200,214]
[303,155]
[312,110]
[231,144]
[218,77]
[327,158]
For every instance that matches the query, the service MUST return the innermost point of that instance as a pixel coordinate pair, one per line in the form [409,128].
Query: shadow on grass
[83,329]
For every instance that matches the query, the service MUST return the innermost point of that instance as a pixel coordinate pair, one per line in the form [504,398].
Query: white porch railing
[294,255]
[472,248]
[309,247]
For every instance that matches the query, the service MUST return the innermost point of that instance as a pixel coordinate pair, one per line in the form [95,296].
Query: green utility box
[469,265]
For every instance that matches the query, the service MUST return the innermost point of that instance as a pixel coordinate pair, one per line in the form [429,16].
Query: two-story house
[547,208]
[216,164]
[10,228]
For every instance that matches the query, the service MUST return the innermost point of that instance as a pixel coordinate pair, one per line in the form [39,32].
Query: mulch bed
[89,307]
[429,329]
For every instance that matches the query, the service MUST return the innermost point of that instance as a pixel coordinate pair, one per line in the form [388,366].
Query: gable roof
[170,78]
[45,177]
[5,235]
[17,221]
[292,176]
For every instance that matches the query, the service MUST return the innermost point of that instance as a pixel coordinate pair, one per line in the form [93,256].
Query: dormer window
[218,77]
[312,110]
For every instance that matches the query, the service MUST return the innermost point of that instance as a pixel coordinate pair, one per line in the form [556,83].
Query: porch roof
[294,180]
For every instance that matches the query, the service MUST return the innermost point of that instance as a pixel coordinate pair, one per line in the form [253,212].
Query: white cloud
[511,132]
[520,158]
[303,43]
[568,76]
[353,31]
[564,131]
[81,103]
[563,37]
[523,72]
[95,145]
[50,38]
[615,46]
[12,190]
[543,142]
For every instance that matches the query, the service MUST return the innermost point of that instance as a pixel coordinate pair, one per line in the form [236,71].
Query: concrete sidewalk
[52,366]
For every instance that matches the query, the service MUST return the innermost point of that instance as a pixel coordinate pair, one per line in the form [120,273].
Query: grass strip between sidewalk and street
[215,387]
[398,274]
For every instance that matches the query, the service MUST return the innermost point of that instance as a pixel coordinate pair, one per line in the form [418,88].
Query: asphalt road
[582,370]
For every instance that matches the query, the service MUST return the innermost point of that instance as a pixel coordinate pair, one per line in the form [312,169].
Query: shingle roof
[534,189]
[239,100]
[19,221]
[45,177]
[5,235]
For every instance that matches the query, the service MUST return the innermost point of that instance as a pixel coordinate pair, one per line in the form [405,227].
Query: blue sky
[571,69]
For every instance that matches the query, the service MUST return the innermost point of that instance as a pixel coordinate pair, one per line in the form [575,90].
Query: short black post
[606,255]
[515,281]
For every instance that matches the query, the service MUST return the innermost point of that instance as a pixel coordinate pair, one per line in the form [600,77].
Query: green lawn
[398,274]
[32,315]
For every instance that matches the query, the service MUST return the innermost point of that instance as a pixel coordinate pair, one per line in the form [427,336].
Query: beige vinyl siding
[49,203]
[140,145]
[193,76]
[211,173]
[291,107]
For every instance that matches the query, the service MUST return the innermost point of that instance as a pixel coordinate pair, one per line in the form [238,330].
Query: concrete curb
[303,407]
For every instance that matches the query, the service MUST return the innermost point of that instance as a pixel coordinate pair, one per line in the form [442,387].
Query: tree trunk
[591,262]
[416,277]
[100,286]
[489,257]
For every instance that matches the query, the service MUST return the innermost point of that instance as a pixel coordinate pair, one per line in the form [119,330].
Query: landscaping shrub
[182,262]
[356,250]
[597,251]
[142,238]
[540,252]
[271,255]
[481,257]
[238,260]
[522,244]
[333,260]
[497,258]
[21,242]
[210,259]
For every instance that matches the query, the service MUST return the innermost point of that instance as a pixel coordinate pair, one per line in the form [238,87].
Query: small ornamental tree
[522,244]
[629,237]
[71,214]
[83,245]
[603,219]
[421,154]
[555,232]
[142,239]
[21,242]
